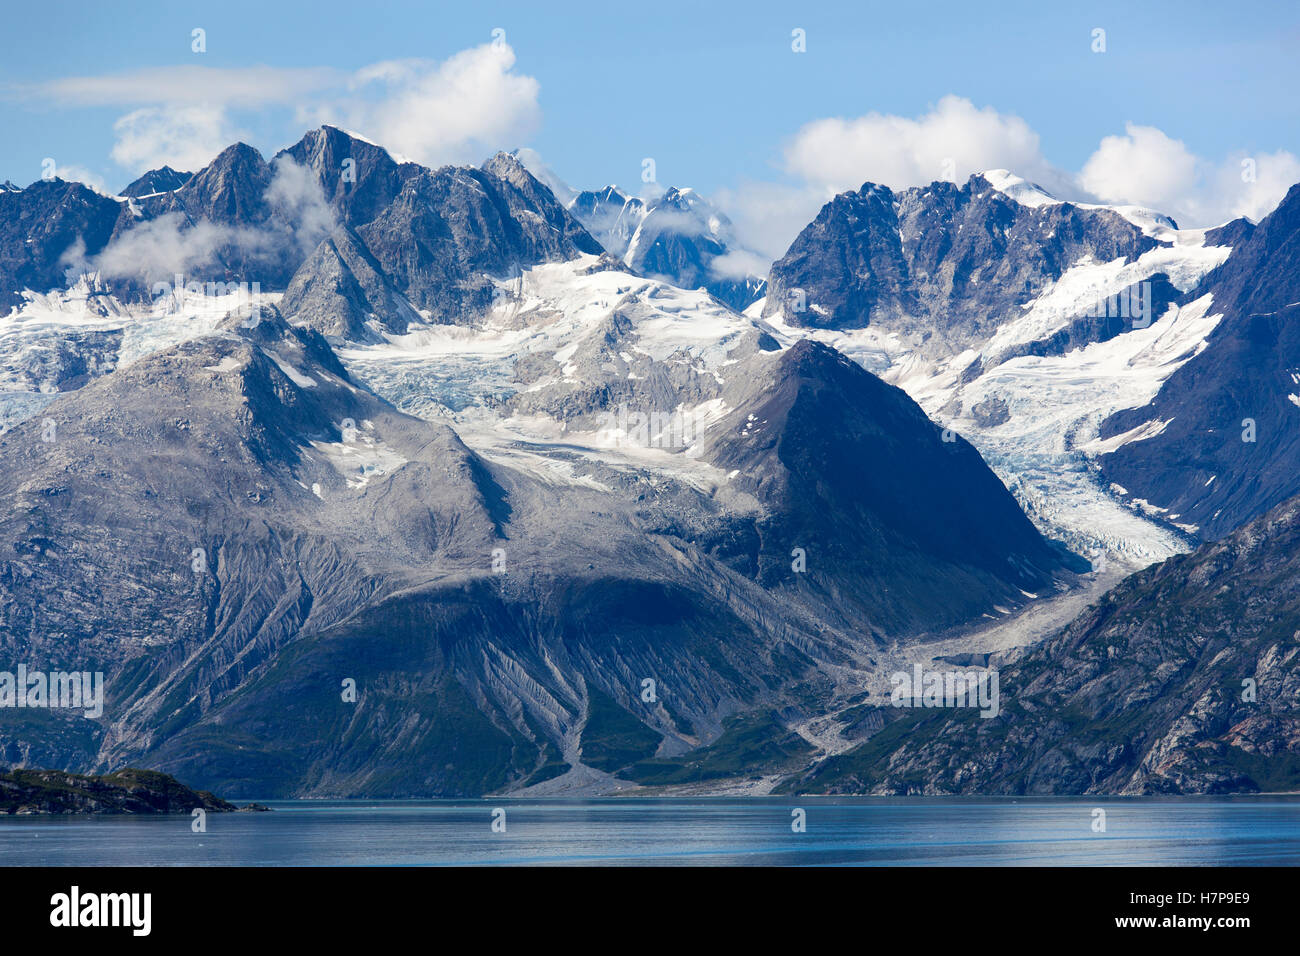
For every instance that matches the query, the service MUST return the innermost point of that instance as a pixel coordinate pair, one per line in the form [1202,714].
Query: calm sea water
[843,832]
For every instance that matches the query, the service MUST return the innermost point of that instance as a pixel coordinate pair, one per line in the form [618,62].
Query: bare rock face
[429,240]
[991,412]
[450,230]
[341,292]
[357,178]
[957,261]
[161,180]
[42,227]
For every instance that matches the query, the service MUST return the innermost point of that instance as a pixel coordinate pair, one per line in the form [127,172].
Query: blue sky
[713,92]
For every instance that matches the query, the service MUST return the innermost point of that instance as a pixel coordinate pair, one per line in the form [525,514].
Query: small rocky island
[125,791]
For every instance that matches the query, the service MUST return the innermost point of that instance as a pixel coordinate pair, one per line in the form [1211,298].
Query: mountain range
[360,478]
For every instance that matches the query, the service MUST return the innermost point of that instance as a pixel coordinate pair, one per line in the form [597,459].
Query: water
[684,831]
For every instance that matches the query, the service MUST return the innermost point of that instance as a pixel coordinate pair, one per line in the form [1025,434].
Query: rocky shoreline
[31,792]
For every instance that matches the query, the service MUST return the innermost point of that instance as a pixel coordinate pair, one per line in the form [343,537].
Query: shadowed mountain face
[1228,445]
[955,261]
[44,224]
[428,238]
[450,229]
[894,516]
[231,189]
[163,180]
[1183,679]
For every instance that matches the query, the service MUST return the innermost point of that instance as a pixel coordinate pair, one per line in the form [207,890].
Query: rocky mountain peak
[161,180]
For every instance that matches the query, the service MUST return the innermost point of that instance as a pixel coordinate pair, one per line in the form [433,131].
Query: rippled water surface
[681,831]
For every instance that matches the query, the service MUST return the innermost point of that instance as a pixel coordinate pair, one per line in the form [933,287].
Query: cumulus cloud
[1147,167]
[950,142]
[451,112]
[1252,186]
[1144,166]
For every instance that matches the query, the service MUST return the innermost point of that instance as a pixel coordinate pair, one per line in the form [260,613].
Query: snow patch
[360,460]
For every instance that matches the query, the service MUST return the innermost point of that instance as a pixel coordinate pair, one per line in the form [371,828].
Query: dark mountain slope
[913,529]
[1184,679]
[162,180]
[953,261]
[43,228]
[449,229]
[1244,384]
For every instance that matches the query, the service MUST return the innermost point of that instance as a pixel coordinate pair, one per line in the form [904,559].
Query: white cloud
[1149,168]
[740,264]
[1252,186]
[251,86]
[298,203]
[1144,166]
[951,141]
[167,246]
[183,137]
[456,111]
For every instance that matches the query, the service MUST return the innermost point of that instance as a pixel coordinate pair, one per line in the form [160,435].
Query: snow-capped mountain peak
[1021,190]
[674,233]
